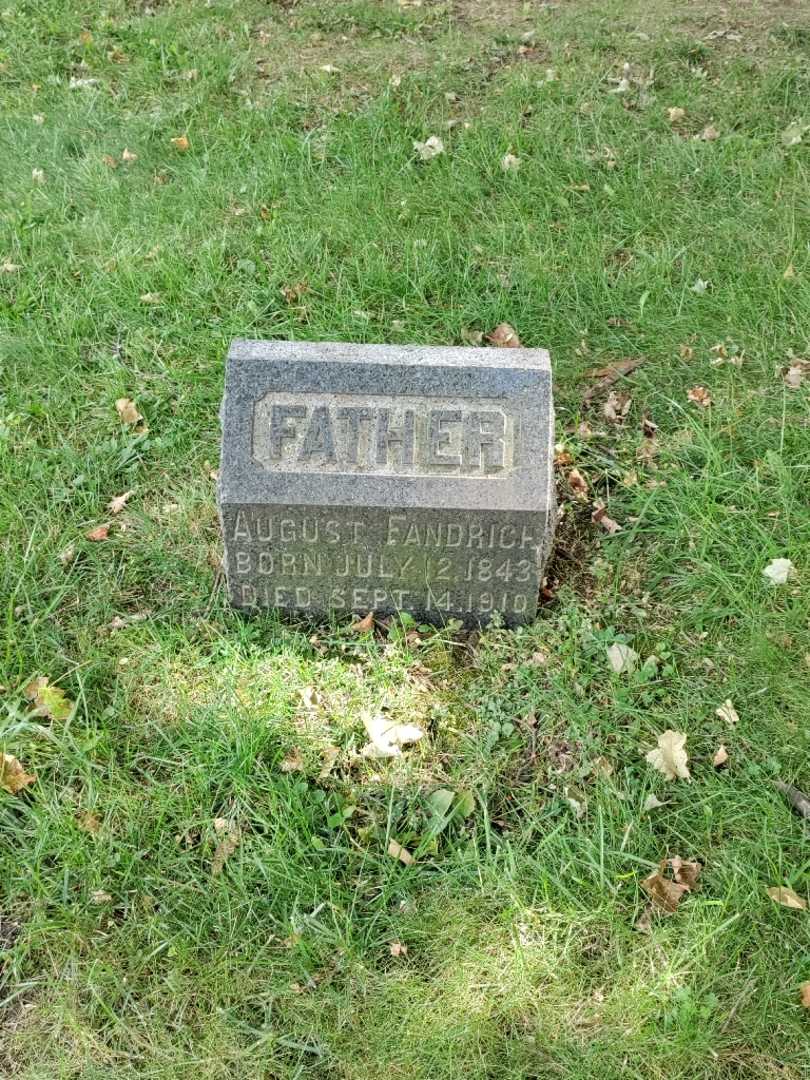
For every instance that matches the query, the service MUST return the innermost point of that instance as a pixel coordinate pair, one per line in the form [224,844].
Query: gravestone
[387,478]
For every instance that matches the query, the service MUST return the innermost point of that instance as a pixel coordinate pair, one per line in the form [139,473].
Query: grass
[122,955]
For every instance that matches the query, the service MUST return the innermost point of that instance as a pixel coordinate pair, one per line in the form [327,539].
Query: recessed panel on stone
[388,478]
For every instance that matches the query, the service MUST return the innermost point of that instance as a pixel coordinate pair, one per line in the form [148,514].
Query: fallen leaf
[101,532]
[779,571]
[727,712]
[608,375]
[797,799]
[396,948]
[117,504]
[781,894]
[504,336]
[685,872]
[666,893]
[10,268]
[328,759]
[709,133]
[510,163]
[474,338]
[109,161]
[128,156]
[99,896]
[794,133]
[578,484]
[82,84]
[128,411]
[700,286]
[387,736]
[67,555]
[293,293]
[796,373]
[430,148]
[231,835]
[362,626]
[38,118]
[38,176]
[720,757]
[652,802]
[47,700]
[89,822]
[675,114]
[13,777]
[181,143]
[120,622]
[621,657]
[330,69]
[293,762]
[310,697]
[805,994]
[670,756]
[699,395]
[150,298]
[617,406]
[600,517]
[397,851]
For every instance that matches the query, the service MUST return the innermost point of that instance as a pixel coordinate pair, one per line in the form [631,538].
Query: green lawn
[291,204]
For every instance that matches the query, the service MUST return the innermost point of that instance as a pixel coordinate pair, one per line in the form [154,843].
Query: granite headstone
[387,478]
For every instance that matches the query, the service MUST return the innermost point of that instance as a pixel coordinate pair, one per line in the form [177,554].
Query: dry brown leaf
[89,822]
[99,896]
[617,406]
[504,336]
[397,851]
[676,114]
[151,298]
[101,532]
[670,756]
[709,133]
[387,736]
[47,700]
[181,143]
[686,352]
[109,161]
[117,504]
[362,626]
[600,517]
[796,373]
[720,757]
[699,395]
[578,484]
[328,758]
[128,156]
[128,411]
[310,697]
[804,990]
[293,293]
[396,948]
[665,892]
[727,712]
[787,897]
[608,375]
[293,762]
[231,835]
[67,555]
[621,657]
[13,777]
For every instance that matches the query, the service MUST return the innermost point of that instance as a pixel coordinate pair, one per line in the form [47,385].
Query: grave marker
[387,478]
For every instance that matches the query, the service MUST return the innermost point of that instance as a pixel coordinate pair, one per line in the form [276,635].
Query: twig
[797,799]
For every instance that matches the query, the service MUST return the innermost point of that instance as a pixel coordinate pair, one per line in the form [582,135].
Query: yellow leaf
[787,897]
[670,756]
[181,143]
[48,700]
[13,777]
